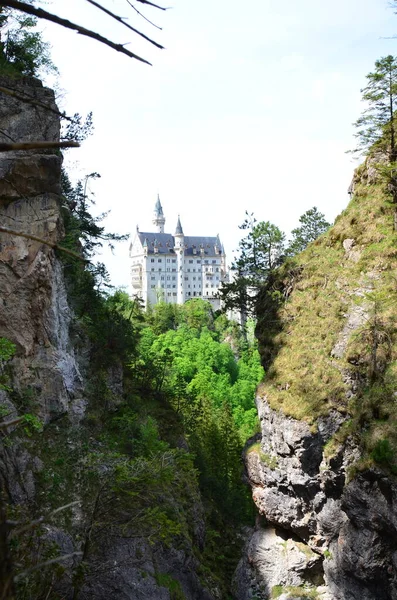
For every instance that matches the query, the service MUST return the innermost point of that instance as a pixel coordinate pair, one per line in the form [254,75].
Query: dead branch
[151,4]
[121,20]
[41,520]
[143,16]
[29,236]
[36,145]
[6,135]
[46,564]
[30,100]
[43,14]
[6,424]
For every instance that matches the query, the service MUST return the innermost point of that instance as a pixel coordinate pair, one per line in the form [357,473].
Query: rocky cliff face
[65,463]
[34,312]
[321,470]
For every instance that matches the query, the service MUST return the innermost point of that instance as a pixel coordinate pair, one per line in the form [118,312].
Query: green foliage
[83,231]
[267,459]
[384,454]
[172,585]
[377,126]
[313,224]
[31,424]
[22,49]
[292,591]
[259,253]
[7,351]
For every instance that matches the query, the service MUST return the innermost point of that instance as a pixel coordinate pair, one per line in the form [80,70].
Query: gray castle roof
[166,243]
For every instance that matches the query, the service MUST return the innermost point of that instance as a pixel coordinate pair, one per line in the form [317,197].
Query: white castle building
[176,268]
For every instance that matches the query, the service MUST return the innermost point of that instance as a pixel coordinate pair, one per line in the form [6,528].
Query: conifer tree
[260,252]
[313,224]
[377,124]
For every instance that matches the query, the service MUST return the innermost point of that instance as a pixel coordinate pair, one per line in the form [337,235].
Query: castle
[176,268]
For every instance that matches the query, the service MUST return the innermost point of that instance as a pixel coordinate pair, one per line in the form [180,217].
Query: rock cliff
[322,470]
[115,540]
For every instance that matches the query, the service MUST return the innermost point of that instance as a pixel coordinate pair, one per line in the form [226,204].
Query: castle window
[217,269]
[152,277]
[194,270]
[186,278]
[162,277]
[168,293]
[188,270]
[188,293]
[152,260]
[174,260]
[190,261]
[198,261]
[160,260]
[168,276]
[214,262]
[152,286]
[173,278]
[194,293]
[153,269]
[194,279]
[206,262]
[174,270]
[174,293]
[168,259]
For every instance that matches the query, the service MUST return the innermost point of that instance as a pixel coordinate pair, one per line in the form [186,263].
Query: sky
[248,108]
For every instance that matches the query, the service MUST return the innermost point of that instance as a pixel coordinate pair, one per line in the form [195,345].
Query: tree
[260,252]
[22,49]
[377,124]
[27,8]
[313,224]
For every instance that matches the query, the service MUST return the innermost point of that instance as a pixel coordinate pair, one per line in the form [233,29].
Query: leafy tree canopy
[22,49]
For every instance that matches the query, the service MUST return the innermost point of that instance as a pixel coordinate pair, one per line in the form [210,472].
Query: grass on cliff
[299,338]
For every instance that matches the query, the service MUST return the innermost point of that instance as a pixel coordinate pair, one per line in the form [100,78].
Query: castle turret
[180,253]
[158,217]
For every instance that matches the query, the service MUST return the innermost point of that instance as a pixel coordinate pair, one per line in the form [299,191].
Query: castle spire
[158,217]
[179,230]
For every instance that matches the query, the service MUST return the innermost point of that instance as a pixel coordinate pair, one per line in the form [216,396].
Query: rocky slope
[322,469]
[116,539]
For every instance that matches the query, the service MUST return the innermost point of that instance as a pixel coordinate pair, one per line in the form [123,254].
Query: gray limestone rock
[349,529]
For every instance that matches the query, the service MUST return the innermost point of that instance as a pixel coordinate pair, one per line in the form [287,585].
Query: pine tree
[260,252]
[377,124]
[313,224]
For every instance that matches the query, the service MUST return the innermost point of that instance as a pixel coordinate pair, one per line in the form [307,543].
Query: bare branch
[46,564]
[43,14]
[143,16]
[42,519]
[31,100]
[151,4]
[6,424]
[120,20]
[46,242]
[36,145]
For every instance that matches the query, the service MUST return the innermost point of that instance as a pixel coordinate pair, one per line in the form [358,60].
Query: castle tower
[158,216]
[180,253]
